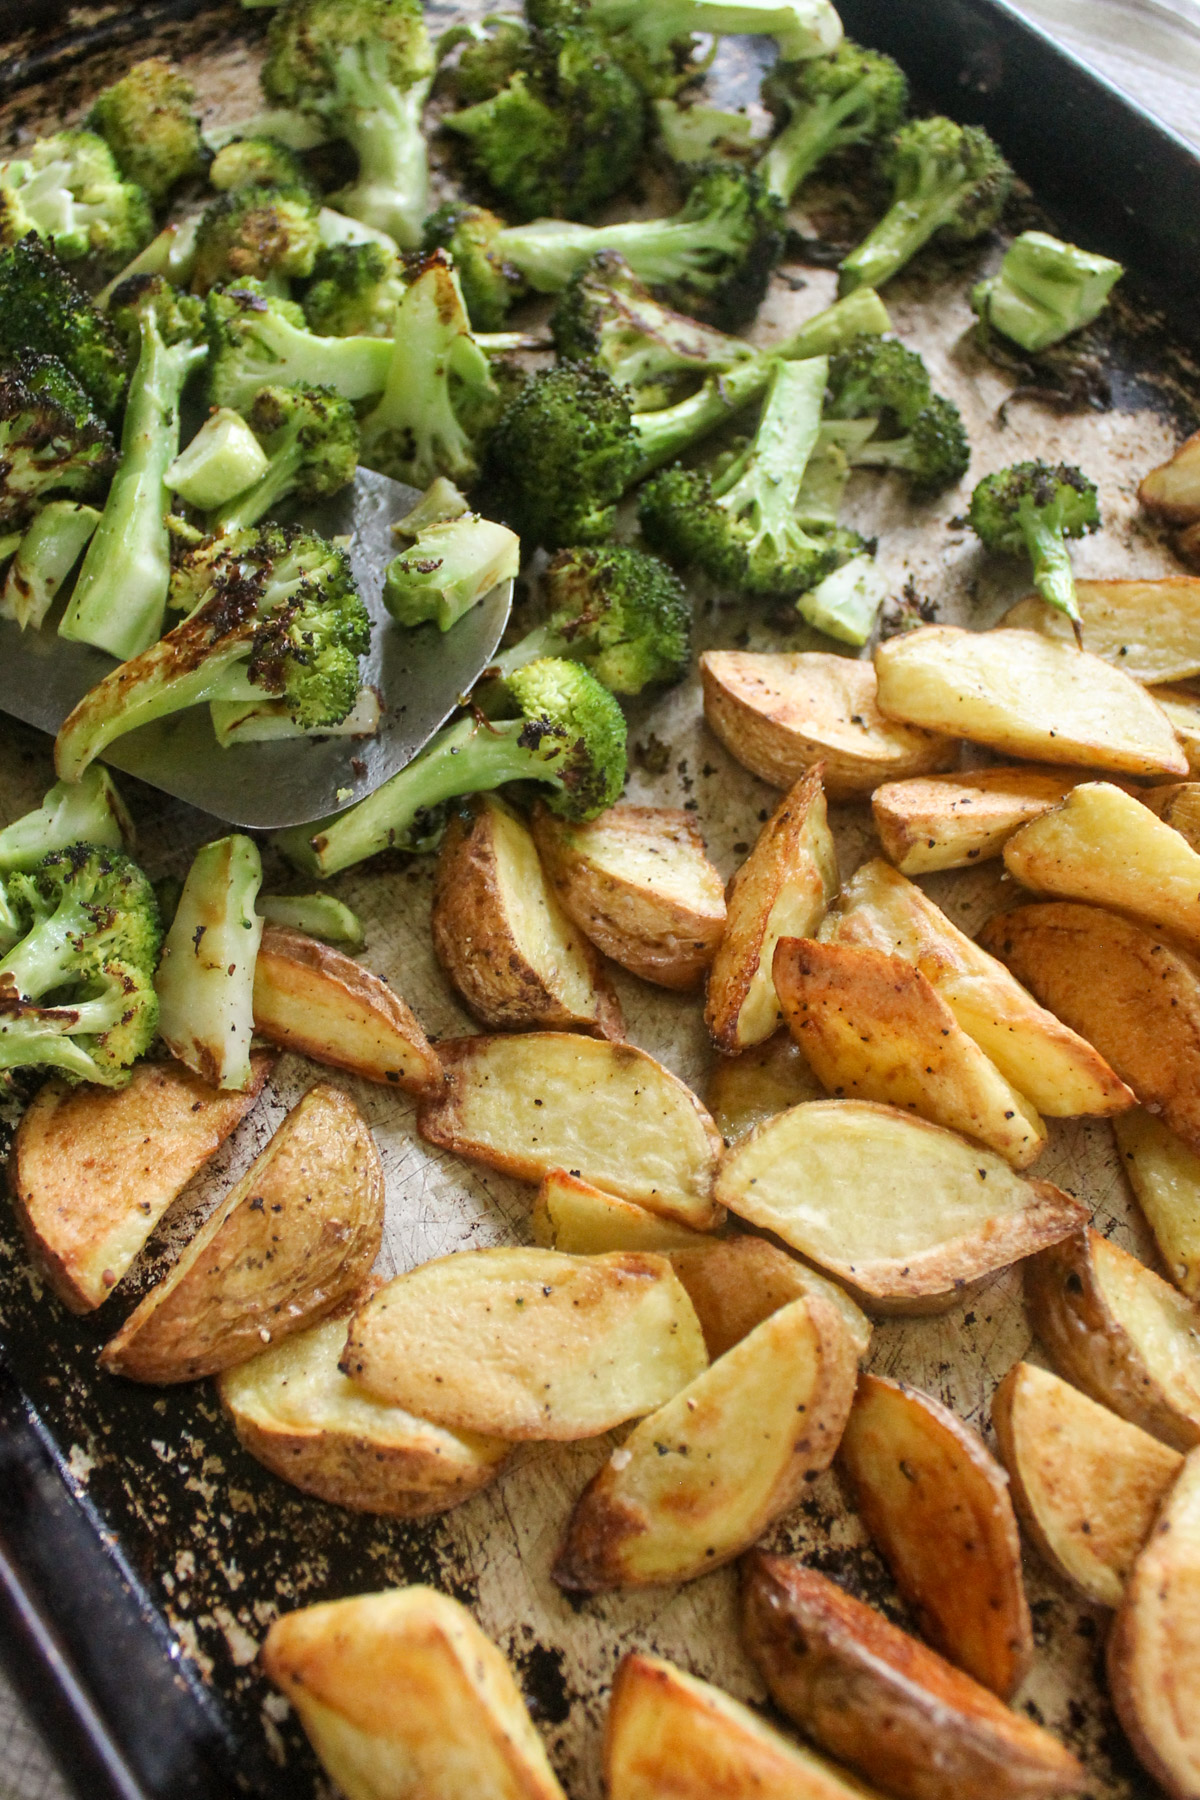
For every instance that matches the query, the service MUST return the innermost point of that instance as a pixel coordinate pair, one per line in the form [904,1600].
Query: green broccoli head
[311,438]
[826,104]
[52,441]
[681,515]
[261,162]
[1032,508]
[258,340]
[41,303]
[149,122]
[714,258]
[878,378]
[312,43]
[491,54]
[141,299]
[621,612]
[267,234]
[467,233]
[574,727]
[69,190]
[355,291]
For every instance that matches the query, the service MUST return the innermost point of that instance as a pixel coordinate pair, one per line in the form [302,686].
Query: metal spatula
[419,673]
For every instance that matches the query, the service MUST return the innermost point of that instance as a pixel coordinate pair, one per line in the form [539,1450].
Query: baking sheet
[221,1545]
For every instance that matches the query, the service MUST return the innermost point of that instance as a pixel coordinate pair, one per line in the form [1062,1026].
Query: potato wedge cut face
[671,1736]
[292,1239]
[93,1170]
[735,1283]
[607,1112]
[874,1028]
[781,890]
[936,1503]
[1148,629]
[582,1220]
[875,1698]
[403,1698]
[1183,711]
[308,1423]
[1176,803]
[781,714]
[951,821]
[528,1343]
[313,999]
[1165,1176]
[1086,1484]
[1154,1650]
[748,1089]
[1172,490]
[1028,695]
[692,1486]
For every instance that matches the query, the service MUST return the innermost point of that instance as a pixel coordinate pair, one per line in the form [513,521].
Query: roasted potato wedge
[735,1283]
[903,1212]
[583,1220]
[93,1169]
[637,881]
[501,936]
[936,1504]
[1086,1484]
[693,1485]
[951,821]
[671,1736]
[528,1343]
[780,714]
[873,1027]
[1176,803]
[781,890]
[1187,545]
[746,1090]
[1165,1176]
[881,1701]
[1172,490]
[1148,629]
[404,1698]
[295,1411]
[313,999]
[1120,1332]
[1182,709]
[1058,1072]
[1154,1649]
[290,1241]
[1126,989]
[606,1112]
[1027,696]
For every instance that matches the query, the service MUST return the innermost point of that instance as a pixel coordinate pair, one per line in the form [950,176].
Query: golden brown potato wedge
[936,1504]
[735,1283]
[1058,1072]
[1149,629]
[1172,490]
[701,1479]
[308,1423]
[290,1241]
[502,937]
[638,882]
[583,1220]
[313,999]
[404,1698]
[606,1112]
[746,1090]
[1027,696]
[1086,1484]
[874,1028]
[781,890]
[671,1736]
[1103,846]
[883,1702]
[1154,1649]
[1120,1332]
[93,1170]
[903,1212]
[528,1343]
[1176,803]
[1165,1176]
[780,715]
[1182,709]
[951,821]
[1126,989]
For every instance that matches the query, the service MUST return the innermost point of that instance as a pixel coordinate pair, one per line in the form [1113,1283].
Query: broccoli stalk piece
[51,441]
[1032,508]
[364,68]
[221,461]
[76,991]
[256,162]
[121,592]
[272,613]
[267,234]
[801,28]
[68,189]
[914,430]
[452,564]
[310,436]
[149,122]
[697,133]
[830,103]
[270,722]
[257,341]
[1045,290]
[90,811]
[566,731]
[845,604]
[948,180]
[206,977]
[355,291]
[45,557]
[619,611]
[42,304]
[316,915]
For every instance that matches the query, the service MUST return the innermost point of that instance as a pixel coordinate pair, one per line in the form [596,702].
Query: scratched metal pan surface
[207,1544]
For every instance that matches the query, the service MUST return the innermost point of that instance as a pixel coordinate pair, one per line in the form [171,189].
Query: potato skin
[882,1702]
[1172,490]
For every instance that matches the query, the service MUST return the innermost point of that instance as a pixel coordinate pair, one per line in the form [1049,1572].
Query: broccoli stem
[860,314]
[249,507]
[765,481]
[382,124]
[808,139]
[1053,576]
[48,552]
[541,641]
[88,812]
[47,1037]
[665,434]
[903,229]
[121,594]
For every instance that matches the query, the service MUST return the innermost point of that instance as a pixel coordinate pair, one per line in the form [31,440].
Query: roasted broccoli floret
[490,285]
[1044,291]
[561,456]
[69,190]
[90,811]
[355,291]
[149,122]
[916,431]
[52,440]
[830,103]
[121,592]
[262,234]
[271,613]
[801,28]
[932,455]
[450,566]
[491,54]
[77,990]
[618,610]
[256,162]
[565,731]
[259,341]
[948,180]
[364,68]
[41,303]
[311,439]
[44,558]
[1031,509]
